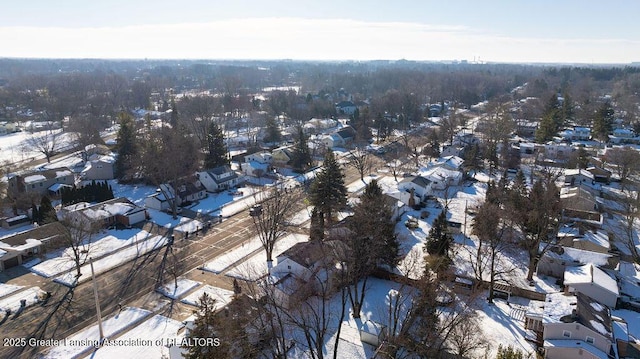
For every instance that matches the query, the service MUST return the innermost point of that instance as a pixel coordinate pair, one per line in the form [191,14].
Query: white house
[158,201]
[219,178]
[453,163]
[574,177]
[593,282]
[576,134]
[421,186]
[346,108]
[104,214]
[99,168]
[442,177]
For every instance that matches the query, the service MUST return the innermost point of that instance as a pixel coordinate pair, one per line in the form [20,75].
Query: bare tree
[47,143]
[361,161]
[625,161]
[271,216]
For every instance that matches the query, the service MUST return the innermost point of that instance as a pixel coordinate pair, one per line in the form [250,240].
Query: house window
[33,186]
[40,184]
[590,340]
[288,267]
[566,334]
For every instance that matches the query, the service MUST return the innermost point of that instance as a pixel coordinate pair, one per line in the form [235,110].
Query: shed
[373,333]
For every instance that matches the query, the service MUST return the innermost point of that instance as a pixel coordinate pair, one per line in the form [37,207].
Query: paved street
[132,284]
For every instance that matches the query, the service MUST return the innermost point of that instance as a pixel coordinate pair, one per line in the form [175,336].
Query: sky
[567,31]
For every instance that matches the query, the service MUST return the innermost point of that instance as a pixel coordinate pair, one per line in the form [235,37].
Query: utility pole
[95,294]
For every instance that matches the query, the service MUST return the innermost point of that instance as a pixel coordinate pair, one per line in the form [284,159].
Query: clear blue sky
[585,31]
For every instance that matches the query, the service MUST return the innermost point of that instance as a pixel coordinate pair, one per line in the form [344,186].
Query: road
[131,284]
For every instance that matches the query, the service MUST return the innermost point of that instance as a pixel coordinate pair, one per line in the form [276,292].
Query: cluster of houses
[596,276]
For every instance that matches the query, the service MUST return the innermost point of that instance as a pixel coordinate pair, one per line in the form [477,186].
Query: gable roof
[590,274]
[453,162]
[417,180]
[220,170]
[594,315]
[309,253]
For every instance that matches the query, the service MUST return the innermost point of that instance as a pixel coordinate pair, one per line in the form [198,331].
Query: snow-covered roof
[599,238]
[555,306]
[454,162]
[577,344]
[578,171]
[29,243]
[588,274]
[578,255]
[63,173]
[440,174]
[34,178]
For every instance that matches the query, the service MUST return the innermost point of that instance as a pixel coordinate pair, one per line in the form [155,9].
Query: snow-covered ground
[114,260]
[221,296]
[13,302]
[87,339]
[113,241]
[255,266]
[221,263]
[174,292]
[15,149]
[6,289]
[153,331]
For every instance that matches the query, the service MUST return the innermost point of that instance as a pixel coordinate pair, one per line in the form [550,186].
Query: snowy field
[174,292]
[255,267]
[115,240]
[151,330]
[12,302]
[111,327]
[117,259]
[221,263]
[221,296]
[14,148]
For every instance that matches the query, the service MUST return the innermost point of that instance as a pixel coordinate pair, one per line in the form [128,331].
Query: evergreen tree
[439,239]
[568,108]
[206,325]
[35,214]
[546,130]
[316,230]
[216,149]
[47,214]
[372,220]
[603,122]
[509,353]
[301,156]
[328,192]
[174,114]
[273,131]
[127,147]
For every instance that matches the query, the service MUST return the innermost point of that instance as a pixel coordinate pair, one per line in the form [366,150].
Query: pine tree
[273,131]
[509,353]
[127,146]
[206,325]
[603,122]
[546,130]
[316,230]
[328,192]
[301,157]
[47,214]
[372,220]
[439,239]
[216,149]
[174,114]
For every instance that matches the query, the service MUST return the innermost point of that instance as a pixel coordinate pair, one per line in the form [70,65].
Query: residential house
[576,134]
[442,177]
[420,185]
[453,163]
[281,156]
[99,168]
[40,182]
[585,333]
[575,177]
[305,269]
[159,201]
[373,333]
[346,108]
[341,138]
[622,136]
[527,148]
[557,151]
[398,207]
[593,282]
[117,211]
[20,247]
[219,178]
[189,190]
[452,151]
[15,222]
[257,164]
[600,175]
[555,261]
